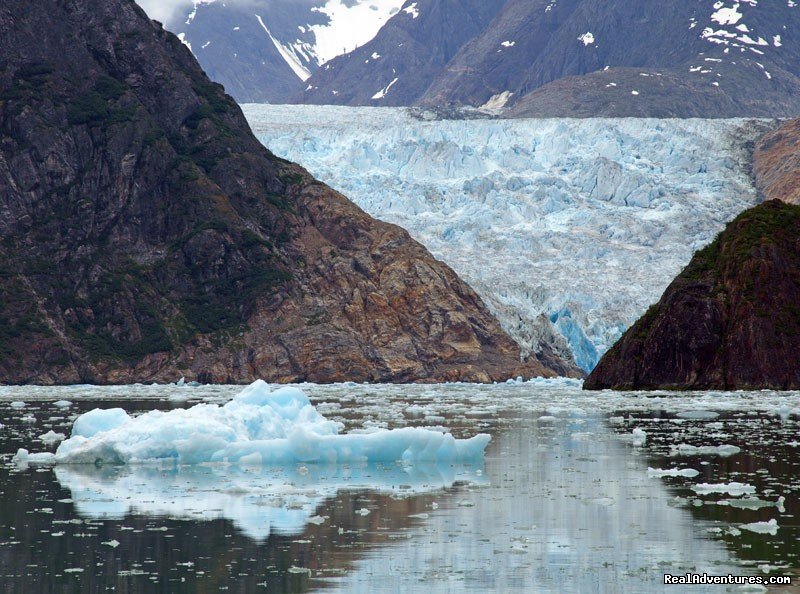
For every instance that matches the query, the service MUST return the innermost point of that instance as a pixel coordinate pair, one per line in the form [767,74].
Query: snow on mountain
[585,58]
[568,229]
[262,50]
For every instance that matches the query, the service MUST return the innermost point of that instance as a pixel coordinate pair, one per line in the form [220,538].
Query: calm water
[563,503]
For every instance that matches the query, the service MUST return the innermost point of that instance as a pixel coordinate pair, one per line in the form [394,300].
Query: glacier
[567,228]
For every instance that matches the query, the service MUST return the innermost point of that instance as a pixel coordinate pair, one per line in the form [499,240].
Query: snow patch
[587,38]
[497,102]
[412,10]
[288,54]
[382,93]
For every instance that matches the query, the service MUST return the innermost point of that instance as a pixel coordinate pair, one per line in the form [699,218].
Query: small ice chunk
[770,527]
[637,437]
[735,489]
[111,543]
[684,449]
[62,404]
[18,404]
[318,520]
[685,472]
[363,511]
[52,437]
[23,457]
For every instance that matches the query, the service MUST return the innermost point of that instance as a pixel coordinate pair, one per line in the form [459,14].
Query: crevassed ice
[568,229]
[257,427]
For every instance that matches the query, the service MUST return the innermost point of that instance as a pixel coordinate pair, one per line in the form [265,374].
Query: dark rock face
[145,233]
[409,52]
[730,320]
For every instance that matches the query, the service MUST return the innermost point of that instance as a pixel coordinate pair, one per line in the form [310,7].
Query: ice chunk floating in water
[256,427]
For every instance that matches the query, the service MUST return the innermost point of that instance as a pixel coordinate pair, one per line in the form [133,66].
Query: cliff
[145,234]
[730,320]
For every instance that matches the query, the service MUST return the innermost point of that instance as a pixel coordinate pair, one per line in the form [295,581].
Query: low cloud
[165,11]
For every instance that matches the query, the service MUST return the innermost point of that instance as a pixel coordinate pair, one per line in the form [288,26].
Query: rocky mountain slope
[264,50]
[776,164]
[563,58]
[730,320]
[568,229]
[146,234]
[409,52]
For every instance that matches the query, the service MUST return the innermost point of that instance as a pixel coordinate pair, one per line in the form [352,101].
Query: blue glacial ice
[257,427]
[568,229]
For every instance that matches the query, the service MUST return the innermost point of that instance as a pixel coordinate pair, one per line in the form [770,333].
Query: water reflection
[259,502]
[562,505]
[569,509]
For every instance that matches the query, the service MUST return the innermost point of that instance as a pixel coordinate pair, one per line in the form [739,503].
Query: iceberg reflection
[258,501]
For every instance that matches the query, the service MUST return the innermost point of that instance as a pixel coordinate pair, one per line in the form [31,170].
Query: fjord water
[563,501]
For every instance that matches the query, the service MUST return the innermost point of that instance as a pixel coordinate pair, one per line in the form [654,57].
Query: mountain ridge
[147,235]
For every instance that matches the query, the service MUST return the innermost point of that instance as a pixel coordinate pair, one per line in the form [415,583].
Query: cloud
[165,11]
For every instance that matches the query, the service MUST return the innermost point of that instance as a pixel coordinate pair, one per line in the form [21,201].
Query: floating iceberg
[256,427]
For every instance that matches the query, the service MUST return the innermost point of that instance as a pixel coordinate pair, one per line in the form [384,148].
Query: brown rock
[776,164]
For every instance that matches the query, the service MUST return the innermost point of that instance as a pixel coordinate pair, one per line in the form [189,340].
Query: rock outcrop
[776,164]
[730,320]
[145,234]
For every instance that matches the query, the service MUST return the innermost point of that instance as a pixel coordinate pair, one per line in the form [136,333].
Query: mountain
[263,50]
[409,52]
[146,234]
[567,229]
[565,58]
[730,320]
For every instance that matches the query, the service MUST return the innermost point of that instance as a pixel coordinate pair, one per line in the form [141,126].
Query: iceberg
[567,228]
[257,427]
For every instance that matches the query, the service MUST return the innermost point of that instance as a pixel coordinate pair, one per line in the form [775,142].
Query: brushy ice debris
[256,427]
[684,449]
[770,527]
[556,382]
[685,472]
[735,489]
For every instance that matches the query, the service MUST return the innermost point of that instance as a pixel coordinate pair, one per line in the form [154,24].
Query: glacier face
[568,229]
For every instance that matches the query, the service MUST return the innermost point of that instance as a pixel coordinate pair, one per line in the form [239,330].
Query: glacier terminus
[567,228]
